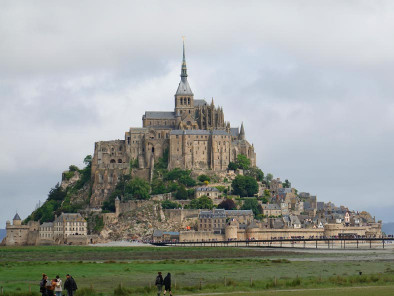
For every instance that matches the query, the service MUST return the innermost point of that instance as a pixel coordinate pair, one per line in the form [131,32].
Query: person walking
[70,285]
[159,283]
[58,286]
[43,285]
[167,284]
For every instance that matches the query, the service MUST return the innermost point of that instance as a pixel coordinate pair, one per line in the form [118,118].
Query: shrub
[167,204]
[203,178]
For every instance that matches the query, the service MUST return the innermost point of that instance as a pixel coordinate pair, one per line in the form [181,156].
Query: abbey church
[195,135]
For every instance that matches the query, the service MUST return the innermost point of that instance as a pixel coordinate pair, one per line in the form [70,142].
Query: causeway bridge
[315,243]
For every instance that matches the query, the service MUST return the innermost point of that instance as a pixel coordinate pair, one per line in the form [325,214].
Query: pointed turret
[242,132]
[184,87]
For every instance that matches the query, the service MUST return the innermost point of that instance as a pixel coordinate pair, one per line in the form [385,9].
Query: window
[112,161]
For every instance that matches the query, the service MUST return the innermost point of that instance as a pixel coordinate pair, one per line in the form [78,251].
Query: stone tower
[184,97]
[17,220]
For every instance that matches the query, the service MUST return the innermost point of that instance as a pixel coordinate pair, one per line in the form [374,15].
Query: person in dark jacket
[43,285]
[70,285]
[159,283]
[167,284]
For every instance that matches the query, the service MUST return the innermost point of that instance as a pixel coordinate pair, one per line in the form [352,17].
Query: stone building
[193,136]
[211,192]
[20,235]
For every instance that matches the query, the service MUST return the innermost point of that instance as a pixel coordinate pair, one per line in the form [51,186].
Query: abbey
[195,136]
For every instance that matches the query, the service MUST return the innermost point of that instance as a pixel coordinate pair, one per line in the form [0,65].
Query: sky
[312,81]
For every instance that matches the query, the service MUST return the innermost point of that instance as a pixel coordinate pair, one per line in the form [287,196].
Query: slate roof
[199,132]
[160,233]
[271,207]
[16,217]
[159,115]
[206,189]
[200,103]
[234,131]
[217,213]
[239,212]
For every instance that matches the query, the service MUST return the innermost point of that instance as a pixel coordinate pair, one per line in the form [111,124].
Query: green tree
[255,173]
[168,204]
[286,184]
[181,193]
[245,186]
[187,181]
[203,178]
[232,166]
[227,204]
[243,162]
[162,162]
[203,202]
[268,178]
[138,188]
[252,204]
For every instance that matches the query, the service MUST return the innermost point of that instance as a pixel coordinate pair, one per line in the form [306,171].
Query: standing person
[159,283]
[43,285]
[70,285]
[49,287]
[58,286]
[167,284]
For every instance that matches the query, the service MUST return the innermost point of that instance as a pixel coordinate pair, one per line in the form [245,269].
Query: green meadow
[132,270]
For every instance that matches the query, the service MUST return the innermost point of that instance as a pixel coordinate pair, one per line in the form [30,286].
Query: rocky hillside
[139,224]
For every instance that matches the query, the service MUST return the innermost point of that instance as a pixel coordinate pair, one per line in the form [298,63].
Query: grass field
[222,270]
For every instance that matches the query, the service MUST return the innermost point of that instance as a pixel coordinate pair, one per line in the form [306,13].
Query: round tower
[231,230]
[17,220]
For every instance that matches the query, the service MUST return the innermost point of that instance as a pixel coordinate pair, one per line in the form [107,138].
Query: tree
[286,184]
[181,193]
[138,188]
[232,166]
[269,178]
[243,162]
[255,173]
[245,186]
[203,178]
[252,204]
[168,204]
[187,181]
[87,160]
[203,202]
[227,204]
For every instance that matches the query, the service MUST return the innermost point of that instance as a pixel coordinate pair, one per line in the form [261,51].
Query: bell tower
[184,97]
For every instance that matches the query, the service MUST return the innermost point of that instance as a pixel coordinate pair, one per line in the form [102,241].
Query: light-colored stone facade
[195,135]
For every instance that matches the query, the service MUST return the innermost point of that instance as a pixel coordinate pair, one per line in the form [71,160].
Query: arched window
[120,161]
[112,161]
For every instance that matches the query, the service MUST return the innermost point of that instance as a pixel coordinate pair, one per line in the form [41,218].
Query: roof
[199,132]
[234,131]
[70,217]
[271,207]
[159,115]
[200,103]
[207,189]
[16,217]
[184,88]
[239,212]
[217,213]
[47,224]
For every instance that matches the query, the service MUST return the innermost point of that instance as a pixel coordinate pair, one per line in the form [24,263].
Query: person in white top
[58,286]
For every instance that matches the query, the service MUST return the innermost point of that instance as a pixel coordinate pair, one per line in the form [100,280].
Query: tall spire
[242,132]
[184,68]
[184,87]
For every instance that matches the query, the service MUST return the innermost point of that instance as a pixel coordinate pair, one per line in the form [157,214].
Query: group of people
[54,287]
[166,282]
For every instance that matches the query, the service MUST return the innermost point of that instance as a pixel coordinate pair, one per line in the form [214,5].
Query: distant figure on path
[58,286]
[70,285]
[159,283]
[43,285]
[167,284]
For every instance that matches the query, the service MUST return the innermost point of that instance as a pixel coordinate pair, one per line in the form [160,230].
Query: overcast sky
[313,82]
